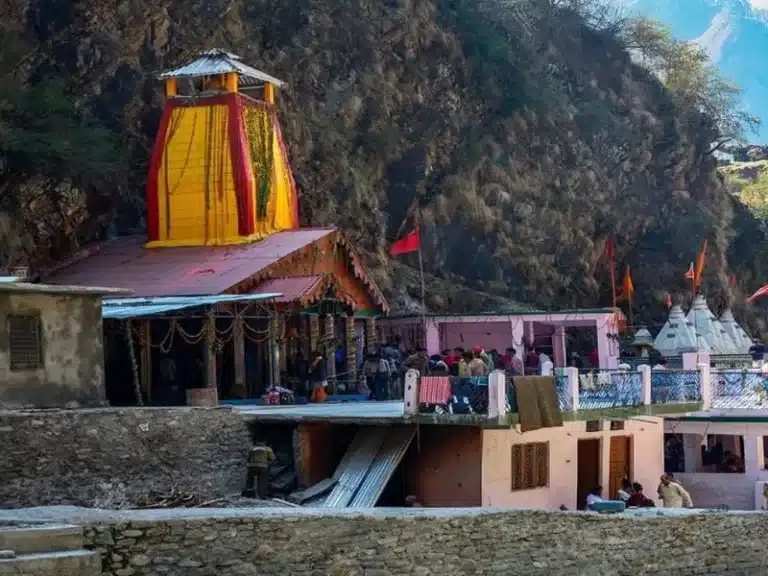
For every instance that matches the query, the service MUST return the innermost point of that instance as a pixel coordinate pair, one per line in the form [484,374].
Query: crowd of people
[383,369]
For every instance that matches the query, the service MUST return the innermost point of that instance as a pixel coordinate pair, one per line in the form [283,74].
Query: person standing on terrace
[672,494]
[476,365]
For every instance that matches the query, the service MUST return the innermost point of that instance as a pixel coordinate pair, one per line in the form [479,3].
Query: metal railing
[675,386]
[609,389]
[468,395]
[745,389]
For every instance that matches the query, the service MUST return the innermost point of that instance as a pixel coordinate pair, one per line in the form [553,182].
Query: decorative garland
[260,130]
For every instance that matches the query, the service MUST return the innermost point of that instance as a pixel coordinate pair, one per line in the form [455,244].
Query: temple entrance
[588,469]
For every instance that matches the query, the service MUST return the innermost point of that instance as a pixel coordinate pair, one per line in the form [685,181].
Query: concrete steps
[46,550]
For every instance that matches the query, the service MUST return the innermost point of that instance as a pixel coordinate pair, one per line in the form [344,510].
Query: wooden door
[619,464]
[588,470]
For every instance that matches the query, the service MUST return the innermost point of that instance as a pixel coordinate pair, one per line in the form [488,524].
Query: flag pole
[423,290]
[613,282]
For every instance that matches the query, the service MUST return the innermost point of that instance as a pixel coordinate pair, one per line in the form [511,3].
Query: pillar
[350,341]
[269,93]
[411,393]
[752,454]
[705,385]
[607,357]
[145,339]
[240,388]
[274,350]
[529,337]
[370,335]
[497,394]
[209,352]
[170,87]
[690,360]
[314,333]
[329,335]
[230,82]
[572,375]
[432,337]
[645,384]
[692,453]
[558,347]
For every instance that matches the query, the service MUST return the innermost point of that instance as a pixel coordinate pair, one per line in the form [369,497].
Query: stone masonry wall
[425,542]
[110,457]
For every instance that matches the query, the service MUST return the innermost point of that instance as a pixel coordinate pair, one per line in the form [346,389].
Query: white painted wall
[647,462]
[710,489]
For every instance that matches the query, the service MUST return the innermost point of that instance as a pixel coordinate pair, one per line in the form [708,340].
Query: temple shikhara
[226,274]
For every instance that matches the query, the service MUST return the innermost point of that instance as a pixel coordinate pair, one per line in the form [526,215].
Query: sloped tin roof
[182,271]
[292,289]
[218,61]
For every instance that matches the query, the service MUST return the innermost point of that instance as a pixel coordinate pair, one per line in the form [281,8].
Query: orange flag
[627,287]
[700,261]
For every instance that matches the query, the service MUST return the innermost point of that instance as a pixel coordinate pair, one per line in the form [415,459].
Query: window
[594,426]
[617,424]
[530,466]
[25,342]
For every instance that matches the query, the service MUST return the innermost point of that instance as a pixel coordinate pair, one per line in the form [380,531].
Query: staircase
[46,550]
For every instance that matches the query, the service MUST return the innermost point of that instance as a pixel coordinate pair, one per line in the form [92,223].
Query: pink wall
[647,462]
[489,335]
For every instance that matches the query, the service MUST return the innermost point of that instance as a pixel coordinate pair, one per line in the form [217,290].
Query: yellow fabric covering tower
[219,172]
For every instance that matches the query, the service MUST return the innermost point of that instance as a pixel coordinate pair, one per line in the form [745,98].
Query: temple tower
[219,172]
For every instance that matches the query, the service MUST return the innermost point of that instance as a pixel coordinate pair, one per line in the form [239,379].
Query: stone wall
[71,370]
[383,542]
[109,457]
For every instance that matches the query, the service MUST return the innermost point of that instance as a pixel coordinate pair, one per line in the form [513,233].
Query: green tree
[701,92]
[53,157]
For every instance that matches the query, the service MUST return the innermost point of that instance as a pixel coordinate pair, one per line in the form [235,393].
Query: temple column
[607,360]
[145,340]
[529,337]
[209,352]
[558,347]
[240,388]
[432,337]
[370,335]
[314,333]
[350,341]
[329,336]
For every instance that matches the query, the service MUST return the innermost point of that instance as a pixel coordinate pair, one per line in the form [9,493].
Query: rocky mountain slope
[518,135]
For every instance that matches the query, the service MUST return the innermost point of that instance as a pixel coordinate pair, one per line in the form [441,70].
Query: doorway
[619,464]
[588,470]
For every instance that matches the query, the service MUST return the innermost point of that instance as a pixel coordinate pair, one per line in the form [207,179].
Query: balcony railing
[597,391]
[740,389]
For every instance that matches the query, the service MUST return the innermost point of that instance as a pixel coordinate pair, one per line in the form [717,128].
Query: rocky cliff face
[521,139]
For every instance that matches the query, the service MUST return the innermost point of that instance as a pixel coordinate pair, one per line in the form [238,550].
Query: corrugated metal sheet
[292,289]
[117,308]
[183,271]
[383,467]
[354,465]
[221,62]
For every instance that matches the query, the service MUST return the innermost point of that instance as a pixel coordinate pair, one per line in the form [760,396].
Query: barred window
[530,465]
[25,337]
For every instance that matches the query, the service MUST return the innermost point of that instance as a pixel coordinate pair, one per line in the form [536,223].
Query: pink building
[500,331]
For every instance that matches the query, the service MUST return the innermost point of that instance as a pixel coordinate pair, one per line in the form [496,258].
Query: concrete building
[51,352]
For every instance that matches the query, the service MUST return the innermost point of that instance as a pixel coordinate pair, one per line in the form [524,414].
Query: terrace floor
[392,412]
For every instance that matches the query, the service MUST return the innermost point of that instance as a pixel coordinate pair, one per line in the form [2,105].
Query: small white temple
[736,332]
[675,338]
[701,331]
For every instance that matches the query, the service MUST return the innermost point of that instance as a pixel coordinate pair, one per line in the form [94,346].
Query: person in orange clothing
[318,377]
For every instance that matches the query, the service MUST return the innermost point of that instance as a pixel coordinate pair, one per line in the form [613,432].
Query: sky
[735,35]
